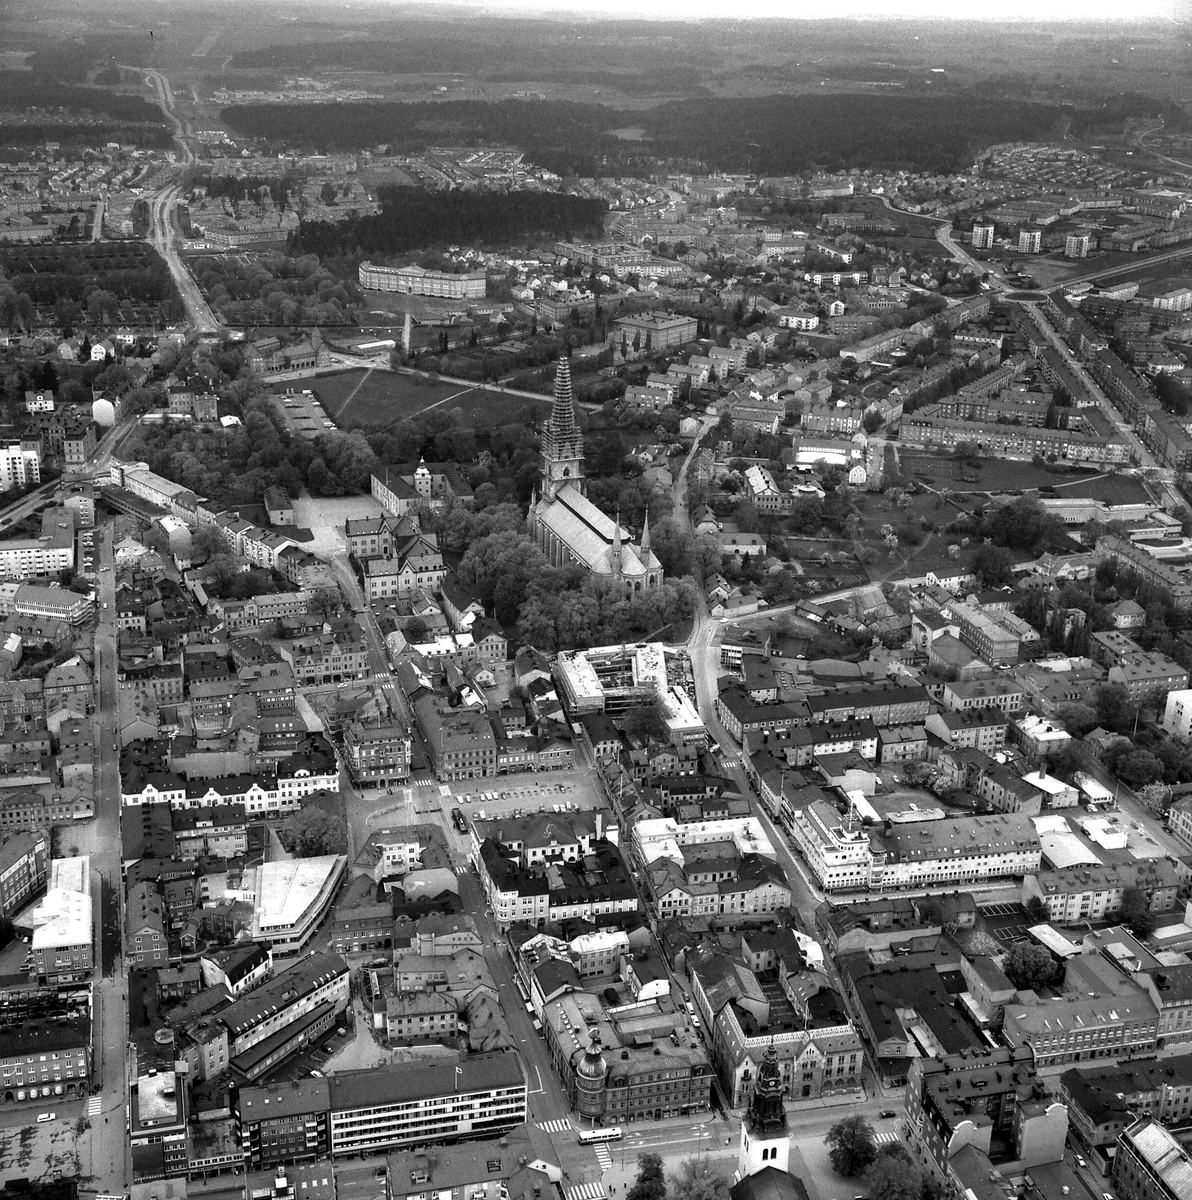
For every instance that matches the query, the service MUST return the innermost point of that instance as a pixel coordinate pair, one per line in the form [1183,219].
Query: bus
[611,1134]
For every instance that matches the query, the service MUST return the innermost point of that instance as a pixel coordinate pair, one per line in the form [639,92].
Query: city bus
[611,1134]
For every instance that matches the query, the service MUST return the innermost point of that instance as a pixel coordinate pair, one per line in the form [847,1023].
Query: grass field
[993,475]
[376,399]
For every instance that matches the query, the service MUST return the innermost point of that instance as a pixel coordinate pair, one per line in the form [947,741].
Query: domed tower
[765,1138]
[591,1075]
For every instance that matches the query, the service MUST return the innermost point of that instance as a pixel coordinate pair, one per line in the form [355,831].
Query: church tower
[562,442]
[765,1138]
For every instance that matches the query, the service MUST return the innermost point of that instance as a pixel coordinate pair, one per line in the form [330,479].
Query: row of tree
[413,219]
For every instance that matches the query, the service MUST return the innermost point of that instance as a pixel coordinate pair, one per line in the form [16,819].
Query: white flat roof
[71,874]
[63,918]
[287,891]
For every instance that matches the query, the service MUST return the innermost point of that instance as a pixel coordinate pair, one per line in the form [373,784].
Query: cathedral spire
[562,413]
[646,536]
[618,550]
[562,442]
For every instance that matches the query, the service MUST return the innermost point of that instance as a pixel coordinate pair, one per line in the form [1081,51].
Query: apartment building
[316,980]
[1150,1164]
[42,1059]
[417,281]
[1148,676]
[964,695]
[981,729]
[20,465]
[964,850]
[836,850]
[482,1096]
[1101,1014]
[284,1123]
[377,753]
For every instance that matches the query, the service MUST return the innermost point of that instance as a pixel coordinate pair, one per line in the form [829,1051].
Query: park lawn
[992,475]
[378,399]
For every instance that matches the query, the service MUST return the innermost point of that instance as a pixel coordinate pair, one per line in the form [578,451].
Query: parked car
[42,1118]
[1080,1161]
[886,1114]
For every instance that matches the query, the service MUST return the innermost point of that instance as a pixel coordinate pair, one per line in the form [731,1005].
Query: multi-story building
[1133,561]
[23,866]
[460,742]
[20,465]
[284,1122]
[52,551]
[617,1077]
[1101,1014]
[482,1096]
[653,330]
[1148,676]
[836,850]
[40,1059]
[964,695]
[146,941]
[318,981]
[1150,1164]
[819,1051]
[417,281]
[981,729]
[63,942]
[955,851]
[292,898]
[985,635]
[378,753]
[158,1111]
[988,1099]
[1102,1101]
[1094,891]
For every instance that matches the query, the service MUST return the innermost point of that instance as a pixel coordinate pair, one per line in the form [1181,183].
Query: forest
[412,219]
[273,288]
[768,134]
[129,270]
[19,90]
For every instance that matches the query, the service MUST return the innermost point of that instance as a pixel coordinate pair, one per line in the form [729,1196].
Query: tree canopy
[852,1146]
[1028,966]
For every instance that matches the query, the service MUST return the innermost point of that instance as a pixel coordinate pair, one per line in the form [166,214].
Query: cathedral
[567,526]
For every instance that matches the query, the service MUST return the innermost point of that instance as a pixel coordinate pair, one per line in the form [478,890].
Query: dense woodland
[412,219]
[273,288]
[130,271]
[766,134]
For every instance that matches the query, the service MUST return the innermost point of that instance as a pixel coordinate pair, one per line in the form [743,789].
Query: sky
[1002,10]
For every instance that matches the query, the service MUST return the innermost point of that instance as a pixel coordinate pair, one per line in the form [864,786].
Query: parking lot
[1006,922]
[502,796]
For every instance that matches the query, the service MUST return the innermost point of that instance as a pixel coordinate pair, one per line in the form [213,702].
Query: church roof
[588,534]
[769,1184]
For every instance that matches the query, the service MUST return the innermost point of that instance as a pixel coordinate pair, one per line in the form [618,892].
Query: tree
[310,832]
[1076,718]
[1028,966]
[1112,703]
[645,721]
[893,1177]
[872,421]
[416,630]
[698,1179]
[651,1182]
[991,565]
[1136,912]
[1137,768]
[852,1146]
[1036,910]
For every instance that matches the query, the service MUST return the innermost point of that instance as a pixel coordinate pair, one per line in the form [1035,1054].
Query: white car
[43,1117]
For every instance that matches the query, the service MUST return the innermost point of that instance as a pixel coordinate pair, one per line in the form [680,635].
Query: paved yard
[325,519]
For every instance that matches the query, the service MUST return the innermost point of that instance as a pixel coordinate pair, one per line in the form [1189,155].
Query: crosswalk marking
[882,1138]
[94,1106]
[554,1126]
[604,1158]
[586,1191]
